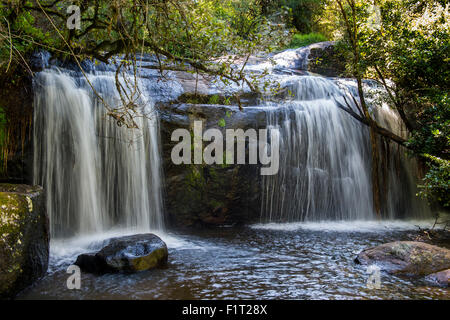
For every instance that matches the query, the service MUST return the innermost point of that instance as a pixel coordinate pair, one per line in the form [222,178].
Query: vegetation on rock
[303,40]
[24,242]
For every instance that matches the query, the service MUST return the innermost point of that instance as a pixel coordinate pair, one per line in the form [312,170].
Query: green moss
[221,123]
[206,99]
[214,99]
[14,210]
[156,258]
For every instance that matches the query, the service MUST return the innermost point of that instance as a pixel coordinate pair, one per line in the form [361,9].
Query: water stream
[269,261]
[325,162]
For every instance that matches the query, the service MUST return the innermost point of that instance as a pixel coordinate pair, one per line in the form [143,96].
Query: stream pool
[271,261]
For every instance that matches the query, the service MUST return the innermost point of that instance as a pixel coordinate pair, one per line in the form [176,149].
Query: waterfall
[325,160]
[97,175]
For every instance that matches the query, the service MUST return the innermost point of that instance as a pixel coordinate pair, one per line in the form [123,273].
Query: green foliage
[305,14]
[189,33]
[436,184]
[206,99]
[221,122]
[405,45]
[302,40]
[414,53]
[214,99]
[413,48]
[243,16]
[206,37]
[433,136]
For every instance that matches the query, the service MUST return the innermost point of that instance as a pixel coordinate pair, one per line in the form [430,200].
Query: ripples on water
[272,261]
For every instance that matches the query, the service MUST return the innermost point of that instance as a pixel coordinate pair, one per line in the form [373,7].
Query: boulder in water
[24,237]
[88,262]
[126,254]
[407,257]
[441,278]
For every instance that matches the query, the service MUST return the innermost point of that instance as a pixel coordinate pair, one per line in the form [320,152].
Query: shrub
[302,40]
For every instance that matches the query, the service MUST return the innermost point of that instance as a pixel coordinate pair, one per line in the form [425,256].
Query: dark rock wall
[209,195]
[16,101]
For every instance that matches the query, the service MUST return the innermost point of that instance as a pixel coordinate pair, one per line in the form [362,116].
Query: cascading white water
[325,161]
[97,175]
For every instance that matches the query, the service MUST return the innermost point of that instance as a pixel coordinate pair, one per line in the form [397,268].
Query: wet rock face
[326,61]
[24,237]
[407,257]
[126,254]
[209,195]
[17,110]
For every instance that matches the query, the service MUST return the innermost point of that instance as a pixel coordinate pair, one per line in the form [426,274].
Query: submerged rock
[126,254]
[407,257]
[24,237]
[441,278]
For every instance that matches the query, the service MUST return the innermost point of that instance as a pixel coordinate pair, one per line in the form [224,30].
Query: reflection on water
[285,261]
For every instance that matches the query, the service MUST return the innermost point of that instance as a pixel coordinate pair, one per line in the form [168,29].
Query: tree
[352,13]
[197,36]
[305,14]
[187,35]
[407,51]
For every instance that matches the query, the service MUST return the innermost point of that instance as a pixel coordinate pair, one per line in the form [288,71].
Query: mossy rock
[127,254]
[245,99]
[24,237]
[407,257]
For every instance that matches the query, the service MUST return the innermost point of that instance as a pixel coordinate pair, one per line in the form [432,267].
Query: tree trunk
[375,172]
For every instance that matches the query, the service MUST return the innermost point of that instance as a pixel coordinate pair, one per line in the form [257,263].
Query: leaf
[221,122]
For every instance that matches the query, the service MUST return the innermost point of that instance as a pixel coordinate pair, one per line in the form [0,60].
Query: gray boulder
[407,258]
[126,254]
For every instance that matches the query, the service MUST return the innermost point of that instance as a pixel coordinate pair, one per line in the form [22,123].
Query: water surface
[271,261]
